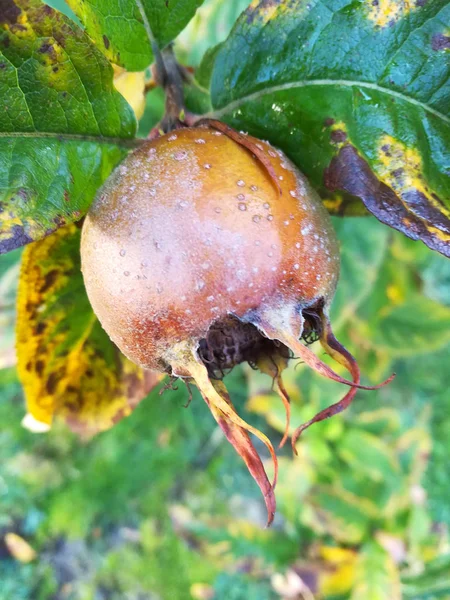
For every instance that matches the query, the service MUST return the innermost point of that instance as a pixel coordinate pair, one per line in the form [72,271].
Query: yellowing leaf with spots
[357,94]
[68,366]
[63,126]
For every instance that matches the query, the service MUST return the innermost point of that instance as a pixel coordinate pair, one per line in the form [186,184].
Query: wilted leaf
[123,29]
[67,364]
[63,127]
[376,575]
[357,94]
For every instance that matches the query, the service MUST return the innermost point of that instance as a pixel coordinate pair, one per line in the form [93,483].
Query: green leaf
[211,25]
[125,30]
[432,583]
[416,326]
[63,127]
[357,94]
[67,364]
[368,454]
[363,244]
[376,575]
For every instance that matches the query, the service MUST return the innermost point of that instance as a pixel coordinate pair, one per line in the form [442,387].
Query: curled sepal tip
[282,327]
[236,431]
[273,366]
[341,355]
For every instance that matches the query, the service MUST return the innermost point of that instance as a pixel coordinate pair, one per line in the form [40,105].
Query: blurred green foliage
[161,507]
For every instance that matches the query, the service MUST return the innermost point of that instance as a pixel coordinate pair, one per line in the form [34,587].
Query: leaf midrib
[217,114]
[77,137]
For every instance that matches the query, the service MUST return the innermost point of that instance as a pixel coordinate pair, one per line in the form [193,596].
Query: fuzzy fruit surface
[191,228]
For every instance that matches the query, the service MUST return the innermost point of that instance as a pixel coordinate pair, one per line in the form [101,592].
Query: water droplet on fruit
[240,197]
[256,218]
[242,206]
[207,166]
[172,138]
[296,266]
[293,193]
[270,217]
[254,188]
[240,183]
[126,273]
[181,155]
[122,252]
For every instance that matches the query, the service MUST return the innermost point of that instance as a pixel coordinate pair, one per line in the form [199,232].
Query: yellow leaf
[19,548]
[132,88]
[66,362]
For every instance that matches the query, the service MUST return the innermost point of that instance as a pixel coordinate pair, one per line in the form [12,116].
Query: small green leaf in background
[123,29]
[211,24]
[431,583]
[63,127]
[357,94]
[376,575]
[66,362]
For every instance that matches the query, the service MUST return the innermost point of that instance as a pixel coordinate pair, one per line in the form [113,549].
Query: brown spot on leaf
[51,383]
[421,207]
[338,136]
[40,327]
[398,173]
[329,121]
[16,240]
[106,41]
[9,12]
[40,367]
[440,41]
[45,48]
[348,171]
[49,280]
[66,196]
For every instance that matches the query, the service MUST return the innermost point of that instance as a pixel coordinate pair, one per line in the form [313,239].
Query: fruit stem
[170,76]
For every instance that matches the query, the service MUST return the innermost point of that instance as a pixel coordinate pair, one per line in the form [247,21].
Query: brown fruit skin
[191,228]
